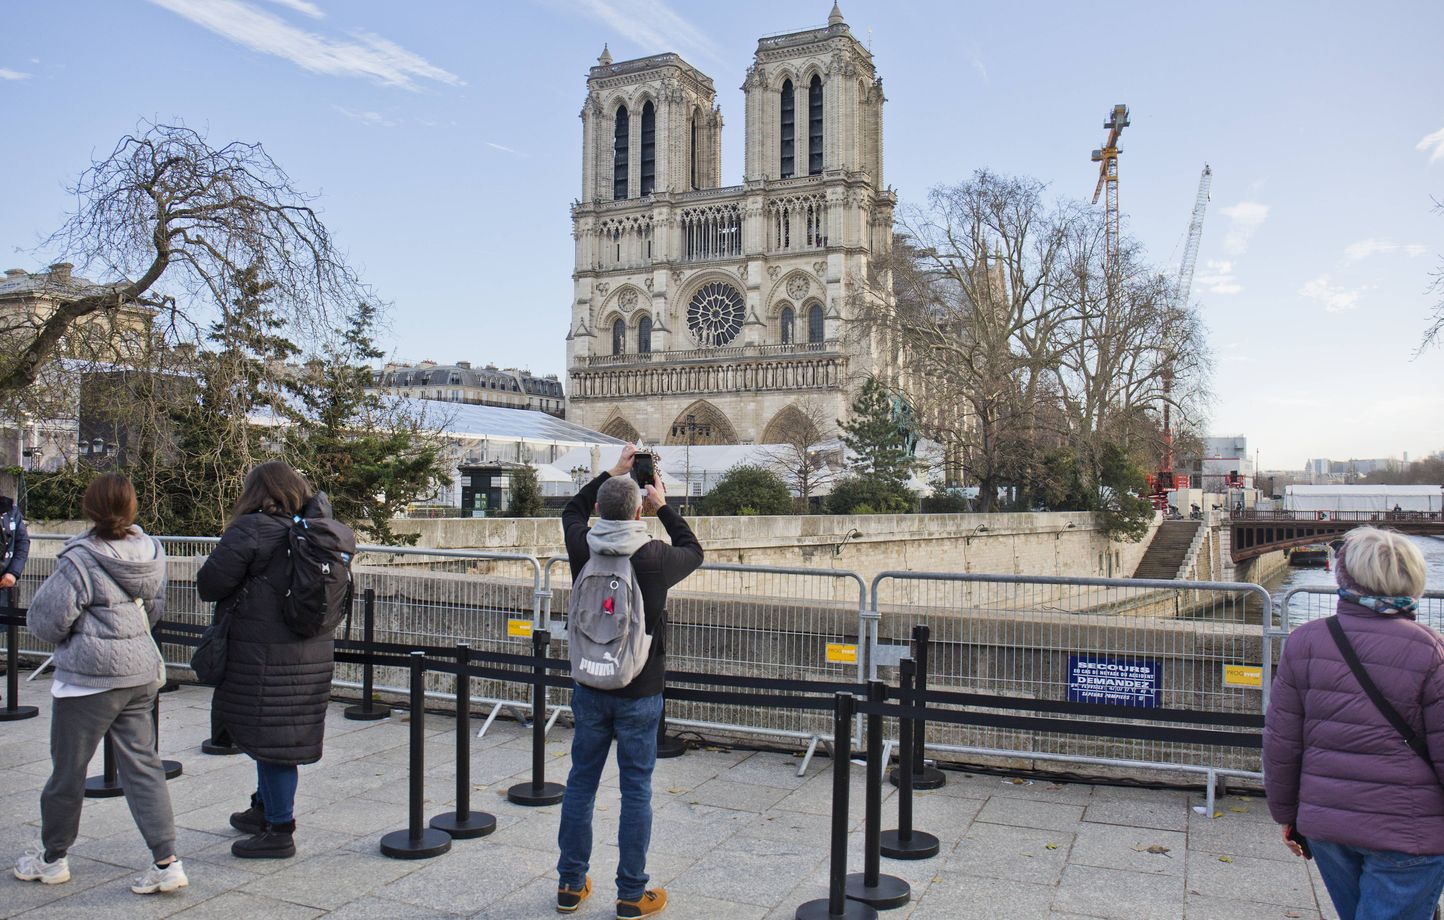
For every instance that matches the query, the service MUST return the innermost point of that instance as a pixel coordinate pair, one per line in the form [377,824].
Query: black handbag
[208,661]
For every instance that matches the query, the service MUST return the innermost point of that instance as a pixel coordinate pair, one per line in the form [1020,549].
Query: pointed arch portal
[702,423]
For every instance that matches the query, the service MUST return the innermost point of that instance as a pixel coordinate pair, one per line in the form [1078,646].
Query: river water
[1307,607]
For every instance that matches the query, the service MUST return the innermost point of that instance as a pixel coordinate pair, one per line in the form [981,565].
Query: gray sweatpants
[77,725]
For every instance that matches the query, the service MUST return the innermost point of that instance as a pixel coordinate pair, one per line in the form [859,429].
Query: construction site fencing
[419,596]
[1176,652]
[751,621]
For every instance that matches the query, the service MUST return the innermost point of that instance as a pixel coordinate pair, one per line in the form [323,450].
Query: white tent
[1368,498]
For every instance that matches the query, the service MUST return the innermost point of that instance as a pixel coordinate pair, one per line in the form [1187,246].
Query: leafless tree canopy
[1435,331]
[163,223]
[808,457]
[1011,338]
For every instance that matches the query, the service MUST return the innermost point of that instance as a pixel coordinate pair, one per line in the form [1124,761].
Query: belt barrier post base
[13,712]
[920,845]
[218,748]
[870,886]
[668,746]
[890,891]
[929,777]
[417,841]
[538,792]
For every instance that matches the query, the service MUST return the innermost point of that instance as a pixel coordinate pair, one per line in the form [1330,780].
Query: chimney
[464,365]
[60,272]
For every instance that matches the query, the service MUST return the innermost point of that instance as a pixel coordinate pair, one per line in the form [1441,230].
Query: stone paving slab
[737,834]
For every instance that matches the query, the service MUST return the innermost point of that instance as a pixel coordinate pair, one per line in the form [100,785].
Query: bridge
[1257,532]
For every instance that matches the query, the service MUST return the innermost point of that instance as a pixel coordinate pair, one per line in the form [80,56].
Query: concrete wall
[1061,543]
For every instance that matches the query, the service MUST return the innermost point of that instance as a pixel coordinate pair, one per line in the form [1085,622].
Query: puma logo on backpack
[606,624]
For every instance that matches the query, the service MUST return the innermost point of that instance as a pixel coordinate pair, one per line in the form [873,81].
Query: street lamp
[691,423]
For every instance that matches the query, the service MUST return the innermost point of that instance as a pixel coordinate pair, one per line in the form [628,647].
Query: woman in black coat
[272,699]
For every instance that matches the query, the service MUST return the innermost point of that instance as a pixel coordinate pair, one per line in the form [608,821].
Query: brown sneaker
[650,904]
[569,899]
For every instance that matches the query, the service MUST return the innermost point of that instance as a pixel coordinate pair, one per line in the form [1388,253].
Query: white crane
[1195,234]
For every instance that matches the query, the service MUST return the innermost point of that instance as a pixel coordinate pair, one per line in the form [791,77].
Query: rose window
[715,314]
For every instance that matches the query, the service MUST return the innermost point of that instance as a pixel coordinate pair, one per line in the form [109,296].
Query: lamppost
[691,422]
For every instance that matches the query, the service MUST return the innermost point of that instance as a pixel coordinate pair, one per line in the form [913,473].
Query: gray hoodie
[617,538]
[88,608]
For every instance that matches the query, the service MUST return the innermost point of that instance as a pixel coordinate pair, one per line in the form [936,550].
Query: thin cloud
[302,7]
[362,55]
[373,119]
[1335,299]
[7,74]
[1217,277]
[977,61]
[1432,142]
[651,25]
[504,149]
[1363,249]
[1244,219]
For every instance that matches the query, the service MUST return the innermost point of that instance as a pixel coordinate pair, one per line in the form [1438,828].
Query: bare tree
[1435,331]
[166,220]
[808,457]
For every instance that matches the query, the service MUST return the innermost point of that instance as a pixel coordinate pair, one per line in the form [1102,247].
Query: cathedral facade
[707,314]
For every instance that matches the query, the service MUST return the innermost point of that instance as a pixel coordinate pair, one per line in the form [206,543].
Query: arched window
[814,126]
[644,335]
[619,337]
[649,149]
[619,154]
[692,153]
[789,129]
[814,323]
[788,322]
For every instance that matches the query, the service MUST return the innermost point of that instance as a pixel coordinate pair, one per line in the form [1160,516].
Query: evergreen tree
[747,489]
[526,497]
[371,456]
[876,442]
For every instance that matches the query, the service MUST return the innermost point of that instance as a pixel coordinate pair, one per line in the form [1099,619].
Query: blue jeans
[598,718]
[276,785]
[1367,884]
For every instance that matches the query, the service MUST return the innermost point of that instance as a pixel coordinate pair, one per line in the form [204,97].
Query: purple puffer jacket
[1333,766]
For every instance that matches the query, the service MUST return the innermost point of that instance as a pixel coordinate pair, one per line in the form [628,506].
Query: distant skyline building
[705,314]
[479,386]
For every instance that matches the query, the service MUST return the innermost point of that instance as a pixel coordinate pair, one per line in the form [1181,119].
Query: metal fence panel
[1297,606]
[1188,645]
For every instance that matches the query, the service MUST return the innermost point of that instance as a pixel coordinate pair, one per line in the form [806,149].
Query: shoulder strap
[1412,738]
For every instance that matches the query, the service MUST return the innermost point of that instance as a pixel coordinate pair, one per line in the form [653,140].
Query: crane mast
[1195,235]
[1107,159]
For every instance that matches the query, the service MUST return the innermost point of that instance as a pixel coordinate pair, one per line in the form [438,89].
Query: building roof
[442,375]
[474,421]
[18,281]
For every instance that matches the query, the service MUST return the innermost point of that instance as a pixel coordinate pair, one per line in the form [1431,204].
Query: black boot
[275,841]
[253,819]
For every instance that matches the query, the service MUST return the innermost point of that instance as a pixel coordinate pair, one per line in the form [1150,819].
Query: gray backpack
[606,625]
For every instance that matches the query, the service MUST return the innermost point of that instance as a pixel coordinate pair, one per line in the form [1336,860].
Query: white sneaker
[32,867]
[170,878]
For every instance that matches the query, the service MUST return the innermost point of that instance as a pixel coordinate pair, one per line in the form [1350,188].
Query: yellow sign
[1243,675]
[519,628]
[838,653]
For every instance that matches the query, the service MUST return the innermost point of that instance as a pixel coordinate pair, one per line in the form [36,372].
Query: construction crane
[1164,479]
[1107,160]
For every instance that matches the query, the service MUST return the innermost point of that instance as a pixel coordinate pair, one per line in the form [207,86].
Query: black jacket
[658,566]
[17,543]
[272,700]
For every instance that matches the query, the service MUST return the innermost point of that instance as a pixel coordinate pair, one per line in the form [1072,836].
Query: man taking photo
[632,713]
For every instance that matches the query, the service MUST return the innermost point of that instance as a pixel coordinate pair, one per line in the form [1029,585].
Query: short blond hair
[1384,562]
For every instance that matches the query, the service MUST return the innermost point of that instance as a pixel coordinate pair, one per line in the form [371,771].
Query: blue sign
[1118,681]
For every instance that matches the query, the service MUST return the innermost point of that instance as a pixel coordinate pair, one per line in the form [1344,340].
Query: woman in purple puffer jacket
[1370,807]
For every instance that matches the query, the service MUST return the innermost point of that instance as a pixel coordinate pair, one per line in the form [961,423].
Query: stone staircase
[1169,550]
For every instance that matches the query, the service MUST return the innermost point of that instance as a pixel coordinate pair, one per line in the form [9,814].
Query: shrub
[748,489]
[866,495]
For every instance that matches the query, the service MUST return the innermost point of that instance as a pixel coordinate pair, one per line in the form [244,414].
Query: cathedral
[711,314]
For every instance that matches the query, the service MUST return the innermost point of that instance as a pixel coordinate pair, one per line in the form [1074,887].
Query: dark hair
[111,503]
[273,488]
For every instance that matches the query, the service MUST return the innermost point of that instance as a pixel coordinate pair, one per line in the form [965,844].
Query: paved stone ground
[738,835]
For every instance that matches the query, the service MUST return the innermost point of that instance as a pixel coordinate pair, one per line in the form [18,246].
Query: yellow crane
[1107,160]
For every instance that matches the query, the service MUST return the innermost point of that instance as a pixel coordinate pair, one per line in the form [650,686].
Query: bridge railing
[1342,517]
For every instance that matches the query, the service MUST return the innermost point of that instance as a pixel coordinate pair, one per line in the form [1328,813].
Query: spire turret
[605,57]
[835,17]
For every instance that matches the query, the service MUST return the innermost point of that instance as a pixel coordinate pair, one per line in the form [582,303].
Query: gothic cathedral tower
[719,315]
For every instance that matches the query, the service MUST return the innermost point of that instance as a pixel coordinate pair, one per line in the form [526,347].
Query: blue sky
[444,139]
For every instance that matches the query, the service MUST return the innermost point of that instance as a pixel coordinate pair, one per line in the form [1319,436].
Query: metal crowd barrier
[1195,649]
[1309,602]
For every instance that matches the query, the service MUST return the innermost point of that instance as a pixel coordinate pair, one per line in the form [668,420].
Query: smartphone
[644,469]
[1302,841]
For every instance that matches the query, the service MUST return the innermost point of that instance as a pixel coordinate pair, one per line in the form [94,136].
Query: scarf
[617,538]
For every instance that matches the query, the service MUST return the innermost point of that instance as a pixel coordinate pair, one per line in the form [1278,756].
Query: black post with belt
[13,711]
[107,784]
[173,768]
[668,746]
[367,711]
[870,886]
[463,823]
[538,791]
[905,842]
[925,775]
[837,906]
[417,841]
